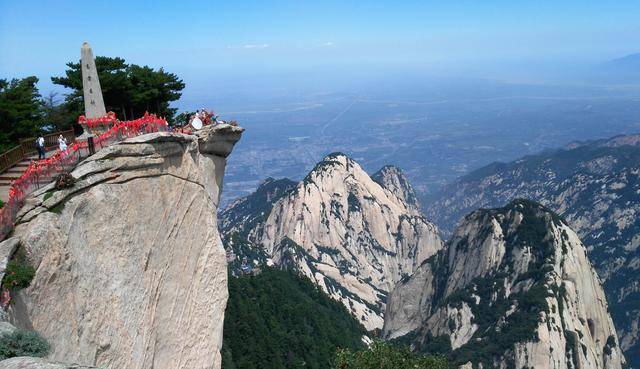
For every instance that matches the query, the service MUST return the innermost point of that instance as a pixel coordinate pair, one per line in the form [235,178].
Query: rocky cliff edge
[131,272]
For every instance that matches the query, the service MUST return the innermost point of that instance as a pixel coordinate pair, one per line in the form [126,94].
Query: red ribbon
[54,165]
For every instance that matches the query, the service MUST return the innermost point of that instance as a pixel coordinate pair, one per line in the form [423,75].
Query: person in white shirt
[40,147]
[62,143]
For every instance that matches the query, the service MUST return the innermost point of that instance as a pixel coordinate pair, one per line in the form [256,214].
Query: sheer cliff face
[131,272]
[595,186]
[353,236]
[512,288]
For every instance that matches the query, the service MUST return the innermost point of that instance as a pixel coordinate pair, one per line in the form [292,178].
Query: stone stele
[93,102]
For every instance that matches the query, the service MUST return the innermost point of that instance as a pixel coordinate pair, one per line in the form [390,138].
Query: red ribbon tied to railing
[43,171]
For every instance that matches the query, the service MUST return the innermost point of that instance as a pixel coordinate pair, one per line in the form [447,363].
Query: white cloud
[256,46]
[328,44]
[250,46]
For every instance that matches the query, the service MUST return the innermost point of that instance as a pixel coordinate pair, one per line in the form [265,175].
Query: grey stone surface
[131,272]
[93,102]
[219,139]
[37,363]
[6,328]
[7,248]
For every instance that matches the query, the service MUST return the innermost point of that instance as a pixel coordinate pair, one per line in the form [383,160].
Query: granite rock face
[37,363]
[353,236]
[595,186]
[392,178]
[512,288]
[131,272]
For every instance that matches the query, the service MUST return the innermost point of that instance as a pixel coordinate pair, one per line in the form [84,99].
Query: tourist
[40,147]
[62,143]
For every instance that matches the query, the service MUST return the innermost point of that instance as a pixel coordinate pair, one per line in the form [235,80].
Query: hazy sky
[241,38]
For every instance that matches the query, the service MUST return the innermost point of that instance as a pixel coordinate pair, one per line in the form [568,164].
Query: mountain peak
[392,178]
[337,155]
[330,165]
[351,235]
[526,208]
[512,288]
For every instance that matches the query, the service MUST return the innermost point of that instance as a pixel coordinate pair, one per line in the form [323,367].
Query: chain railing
[44,171]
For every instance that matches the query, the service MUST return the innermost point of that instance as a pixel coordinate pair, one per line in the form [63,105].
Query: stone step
[4,193]
[16,169]
[6,177]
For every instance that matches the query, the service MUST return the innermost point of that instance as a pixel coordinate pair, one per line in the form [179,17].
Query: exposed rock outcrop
[353,236]
[512,288]
[392,178]
[131,272]
[595,186]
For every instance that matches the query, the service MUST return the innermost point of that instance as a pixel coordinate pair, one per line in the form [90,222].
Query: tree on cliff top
[128,89]
[20,110]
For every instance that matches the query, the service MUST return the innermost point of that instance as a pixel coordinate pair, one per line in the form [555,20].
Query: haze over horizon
[249,45]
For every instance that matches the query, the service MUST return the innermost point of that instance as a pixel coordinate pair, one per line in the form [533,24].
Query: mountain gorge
[595,186]
[352,235]
[513,288]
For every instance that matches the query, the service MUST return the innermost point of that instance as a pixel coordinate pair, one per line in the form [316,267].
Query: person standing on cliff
[62,143]
[40,147]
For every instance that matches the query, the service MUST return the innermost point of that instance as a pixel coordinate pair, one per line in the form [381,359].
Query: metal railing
[27,146]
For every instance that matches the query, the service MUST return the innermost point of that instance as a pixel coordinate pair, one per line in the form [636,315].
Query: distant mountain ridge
[620,71]
[595,185]
[615,141]
[631,61]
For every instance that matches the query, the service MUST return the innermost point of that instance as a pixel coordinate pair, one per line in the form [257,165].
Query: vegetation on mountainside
[18,273]
[487,296]
[572,181]
[243,216]
[386,356]
[128,89]
[278,319]
[22,343]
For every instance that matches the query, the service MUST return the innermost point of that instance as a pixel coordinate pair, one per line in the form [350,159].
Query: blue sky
[244,38]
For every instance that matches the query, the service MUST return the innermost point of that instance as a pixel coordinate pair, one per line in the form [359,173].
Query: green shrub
[22,343]
[1,204]
[386,356]
[48,195]
[18,273]
[58,208]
